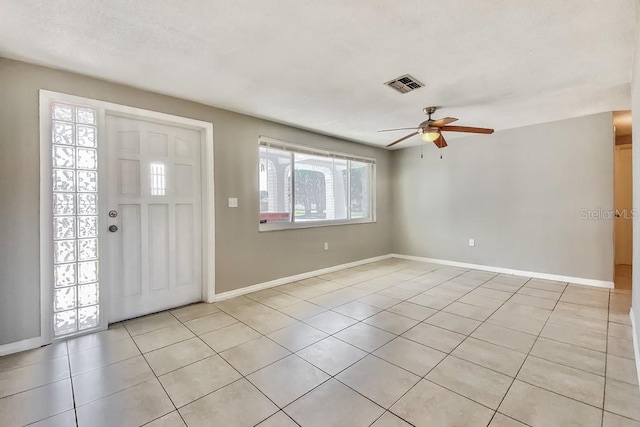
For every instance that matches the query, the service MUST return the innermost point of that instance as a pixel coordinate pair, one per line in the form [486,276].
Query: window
[303,187]
[157,179]
[74,163]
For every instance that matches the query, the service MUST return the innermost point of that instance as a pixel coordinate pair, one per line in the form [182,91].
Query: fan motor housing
[429,110]
[425,125]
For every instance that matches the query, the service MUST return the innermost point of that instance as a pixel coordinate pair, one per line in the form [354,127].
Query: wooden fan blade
[441,122]
[402,139]
[466,129]
[391,130]
[440,142]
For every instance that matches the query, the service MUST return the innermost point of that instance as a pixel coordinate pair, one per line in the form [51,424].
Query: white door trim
[18,346]
[634,337]
[46,232]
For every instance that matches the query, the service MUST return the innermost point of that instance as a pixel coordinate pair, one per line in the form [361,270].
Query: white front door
[154,217]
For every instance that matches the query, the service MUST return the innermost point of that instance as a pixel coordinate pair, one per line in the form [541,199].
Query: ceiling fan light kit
[430,135]
[431,130]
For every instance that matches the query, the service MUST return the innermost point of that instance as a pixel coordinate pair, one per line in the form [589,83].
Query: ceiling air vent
[404,84]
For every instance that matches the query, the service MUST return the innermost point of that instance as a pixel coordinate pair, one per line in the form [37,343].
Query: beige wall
[519,193]
[243,255]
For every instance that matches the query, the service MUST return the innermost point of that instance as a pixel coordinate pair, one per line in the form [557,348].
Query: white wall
[519,193]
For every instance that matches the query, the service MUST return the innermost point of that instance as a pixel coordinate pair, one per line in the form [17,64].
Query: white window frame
[265,141]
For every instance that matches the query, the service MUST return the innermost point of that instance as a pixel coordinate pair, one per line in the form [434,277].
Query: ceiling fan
[431,130]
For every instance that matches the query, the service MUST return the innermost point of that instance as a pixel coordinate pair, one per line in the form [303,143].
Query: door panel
[184,176]
[184,244]
[158,247]
[129,177]
[130,258]
[155,255]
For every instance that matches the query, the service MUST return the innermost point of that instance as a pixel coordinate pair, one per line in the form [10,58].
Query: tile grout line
[558,393]
[371,353]
[328,335]
[332,335]
[467,337]
[344,369]
[154,374]
[606,360]
[111,364]
[543,388]
[370,292]
[294,353]
[242,376]
[148,365]
[423,377]
[158,378]
[129,336]
[526,357]
[73,392]
[453,349]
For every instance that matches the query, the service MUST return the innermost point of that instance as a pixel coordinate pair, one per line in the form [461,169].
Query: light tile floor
[392,343]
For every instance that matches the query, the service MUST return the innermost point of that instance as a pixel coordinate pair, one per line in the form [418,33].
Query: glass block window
[74,164]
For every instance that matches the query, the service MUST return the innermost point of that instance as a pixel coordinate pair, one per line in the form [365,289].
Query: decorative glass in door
[74,164]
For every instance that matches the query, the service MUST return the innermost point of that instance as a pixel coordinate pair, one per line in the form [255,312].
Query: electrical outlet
[472,242]
[326,246]
[233,202]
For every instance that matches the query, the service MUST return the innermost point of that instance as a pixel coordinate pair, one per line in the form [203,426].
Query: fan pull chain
[440,153]
[422,151]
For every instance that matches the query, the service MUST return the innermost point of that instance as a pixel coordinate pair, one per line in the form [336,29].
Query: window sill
[274,226]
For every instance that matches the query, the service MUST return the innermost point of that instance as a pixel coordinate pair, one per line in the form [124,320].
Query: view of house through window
[300,185]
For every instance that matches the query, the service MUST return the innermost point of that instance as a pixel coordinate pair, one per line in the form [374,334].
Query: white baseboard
[636,350]
[18,346]
[545,276]
[284,280]
[31,343]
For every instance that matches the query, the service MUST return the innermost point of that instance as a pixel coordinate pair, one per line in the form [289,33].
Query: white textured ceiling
[321,64]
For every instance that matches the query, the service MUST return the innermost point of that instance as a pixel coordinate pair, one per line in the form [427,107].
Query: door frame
[46,227]
[615,224]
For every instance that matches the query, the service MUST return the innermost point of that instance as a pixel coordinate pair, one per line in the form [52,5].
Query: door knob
[113,228]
